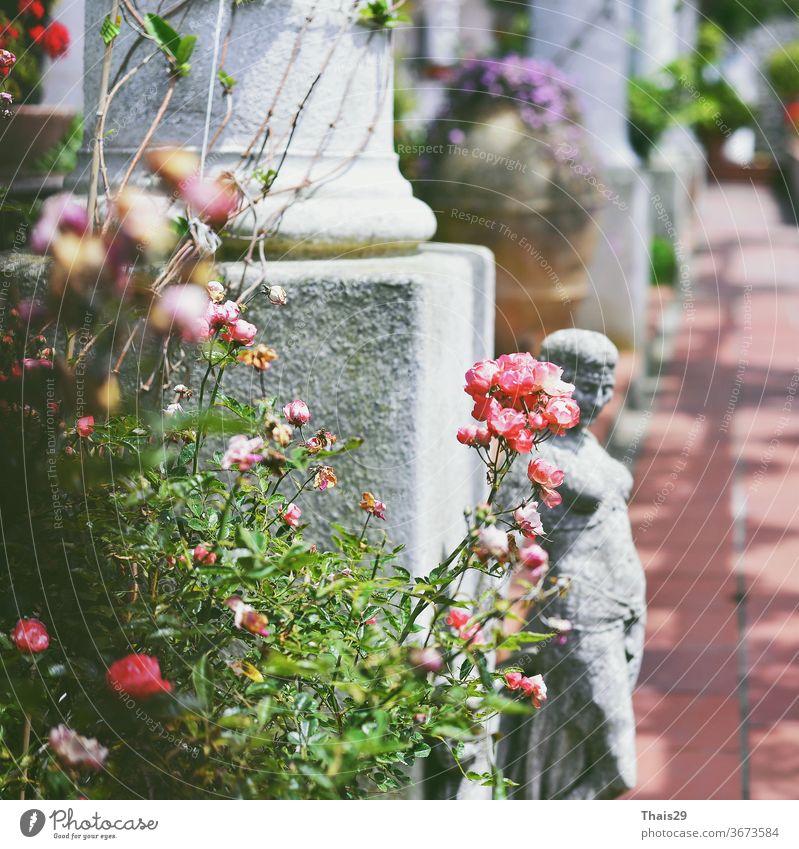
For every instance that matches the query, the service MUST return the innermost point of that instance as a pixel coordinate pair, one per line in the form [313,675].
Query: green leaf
[227,81]
[201,683]
[516,641]
[109,29]
[162,33]
[185,49]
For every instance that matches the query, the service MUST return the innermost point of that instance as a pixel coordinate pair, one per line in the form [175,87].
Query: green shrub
[782,69]
[663,262]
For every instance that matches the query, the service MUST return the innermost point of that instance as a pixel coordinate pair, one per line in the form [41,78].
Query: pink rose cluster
[198,318]
[459,620]
[518,399]
[533,687]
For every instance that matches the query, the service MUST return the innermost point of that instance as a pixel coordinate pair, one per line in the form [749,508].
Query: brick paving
[714,516]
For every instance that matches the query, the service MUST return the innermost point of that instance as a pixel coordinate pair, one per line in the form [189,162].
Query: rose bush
[169,630]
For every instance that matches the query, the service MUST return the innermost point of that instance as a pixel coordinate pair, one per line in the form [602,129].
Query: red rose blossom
[53,39]
[34,7]
[30,636]
[137,675]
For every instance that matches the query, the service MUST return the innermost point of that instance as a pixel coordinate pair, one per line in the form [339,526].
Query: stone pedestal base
[378,348]
[676,176]
[619,270]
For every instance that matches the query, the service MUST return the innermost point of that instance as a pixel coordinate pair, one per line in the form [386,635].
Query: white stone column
[676,164]
[589,40]
[318,79]
[379,328]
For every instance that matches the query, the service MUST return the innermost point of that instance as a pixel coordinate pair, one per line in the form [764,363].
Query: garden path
[714,515]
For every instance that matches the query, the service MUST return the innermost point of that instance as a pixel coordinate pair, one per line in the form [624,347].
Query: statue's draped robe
[581,744]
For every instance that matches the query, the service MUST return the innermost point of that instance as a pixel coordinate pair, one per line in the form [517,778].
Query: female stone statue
[581,744]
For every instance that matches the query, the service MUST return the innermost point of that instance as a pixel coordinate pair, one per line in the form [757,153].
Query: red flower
[34,7]
[7,60]
[137,675]
[54,39]
[30,636]
[85,426]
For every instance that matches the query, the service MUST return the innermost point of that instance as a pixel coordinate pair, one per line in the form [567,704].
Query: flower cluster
[27,29]
[543,94]
[518,400]
[532,687]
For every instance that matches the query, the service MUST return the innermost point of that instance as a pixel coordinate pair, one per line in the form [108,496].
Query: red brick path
[715,512]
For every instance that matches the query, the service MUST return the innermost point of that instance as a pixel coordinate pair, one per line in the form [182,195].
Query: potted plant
[690,91]
[782,69]
[29,35]
[506,165]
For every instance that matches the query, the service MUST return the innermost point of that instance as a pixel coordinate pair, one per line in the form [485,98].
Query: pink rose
[30,636]
[472,435]
[562,414]
[481,377]
[467,435]
[74,750]
[545,473]
[297,413]
[492,542]
[457,618]
[528,519]
[426,659]
[216,291]
[484,407]
[505,422]
[291,515]
[60,213]
[240,331]
[247,617]
[513,680]
[243,452]
[537,421]
[203,555]
[535,688]
[516,382]
[532,556]
[518,360]
[85,426]
[180,306]
[551,498]
[547,379]
[209,200]
[522,443]
[218,315]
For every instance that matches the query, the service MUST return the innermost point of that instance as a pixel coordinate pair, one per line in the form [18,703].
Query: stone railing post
[676,164]
[588,40]
[380,326]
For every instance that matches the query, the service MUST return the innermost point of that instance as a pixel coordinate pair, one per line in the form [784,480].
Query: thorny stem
[102,105]
[26,742]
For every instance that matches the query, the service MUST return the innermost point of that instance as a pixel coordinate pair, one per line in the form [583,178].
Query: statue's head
[588,360]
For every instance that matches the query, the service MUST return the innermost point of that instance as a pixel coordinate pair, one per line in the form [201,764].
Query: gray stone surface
[339,184]
[581,744]
[378,348]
